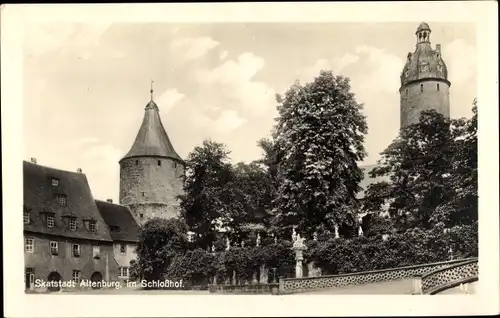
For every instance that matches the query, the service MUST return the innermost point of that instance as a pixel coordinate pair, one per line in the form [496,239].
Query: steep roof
[122,225]
[367,180]
[152,139]
[40,197]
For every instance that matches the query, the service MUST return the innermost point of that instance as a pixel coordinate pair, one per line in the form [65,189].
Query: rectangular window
[92,226]
[26,217]
[76,250]
[123,248]
[51,220]
[141,215]
[124,272]
[114,228]
[55,182]
[54,248]
[72,224]
[62,200]
[76,276]
[95,251]
[29,245]
[421,88]
[159,162]
[438,87]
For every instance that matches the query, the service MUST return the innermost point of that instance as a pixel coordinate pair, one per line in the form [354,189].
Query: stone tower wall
[415,99]
[150,186]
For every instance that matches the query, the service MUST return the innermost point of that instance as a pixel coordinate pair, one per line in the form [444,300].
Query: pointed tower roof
[152,139]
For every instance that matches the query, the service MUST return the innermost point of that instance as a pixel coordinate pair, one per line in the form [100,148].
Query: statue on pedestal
[257,241]
[228,244]
[299,246]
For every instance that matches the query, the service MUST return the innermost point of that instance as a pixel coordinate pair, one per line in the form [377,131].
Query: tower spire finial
[151,90]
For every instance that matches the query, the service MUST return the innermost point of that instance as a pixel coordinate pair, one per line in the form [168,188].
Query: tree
[210,199]
[160,241]
[432,166]
[462,208]
[319,134]
[257,190]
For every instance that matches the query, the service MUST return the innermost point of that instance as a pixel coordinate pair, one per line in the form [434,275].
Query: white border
[483,13]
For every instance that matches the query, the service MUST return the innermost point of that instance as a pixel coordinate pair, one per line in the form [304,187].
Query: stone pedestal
[299,247]
[254,278]
[263,274]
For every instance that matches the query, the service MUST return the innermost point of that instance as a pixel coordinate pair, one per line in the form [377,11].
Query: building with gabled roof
[65,237]
[151,173]
[124,231]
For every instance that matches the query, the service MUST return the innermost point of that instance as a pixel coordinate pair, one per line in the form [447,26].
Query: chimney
[109,200]
[438,48]
[79,170]
[33,160]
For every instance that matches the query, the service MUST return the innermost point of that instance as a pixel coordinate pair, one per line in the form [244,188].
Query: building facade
[151,173]
[65,237]
[424,80]
[124,231]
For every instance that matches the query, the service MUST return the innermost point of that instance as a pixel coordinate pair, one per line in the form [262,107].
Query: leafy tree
[210,199]
[319,134]
[160,241]
[432,166]
[257,190]
[462,208]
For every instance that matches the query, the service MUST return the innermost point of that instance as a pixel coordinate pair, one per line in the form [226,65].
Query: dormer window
[72,224]
[114,228]
[55,182]
[62,200]
[50,219]
[407,73]
[92,226]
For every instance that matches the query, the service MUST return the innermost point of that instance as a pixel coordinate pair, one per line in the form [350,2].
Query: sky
[86,85]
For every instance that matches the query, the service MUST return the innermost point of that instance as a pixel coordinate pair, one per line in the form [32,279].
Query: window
[54,248]
[29,245]
[114,228]
[137,162]
[76,250]
[175,164]
[92,226]
[144,194]
[406,92]
[159,162]
[421,88]
[438,87]
[72,224]
[50,220]
[141,215]
[55,182]
[61,199]
[26,217]
[124,271]
[123,248]
[76,276]
[95,251]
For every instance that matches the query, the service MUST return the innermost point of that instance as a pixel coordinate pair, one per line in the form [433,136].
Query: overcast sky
[86,86]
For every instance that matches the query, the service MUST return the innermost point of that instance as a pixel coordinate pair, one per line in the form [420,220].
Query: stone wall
[415,99]
[245,289]
[449,277]
[149,186]
[292,285]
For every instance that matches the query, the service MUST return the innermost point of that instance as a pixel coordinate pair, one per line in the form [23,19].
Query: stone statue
[213,248]
[275,240]
[336,231]
[299,242]
[294,234]
[228,244]
[315,236]
[360,231]
[242,243]
[257,241]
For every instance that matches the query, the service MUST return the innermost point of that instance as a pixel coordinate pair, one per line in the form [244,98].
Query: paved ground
[400,287]
[471,288]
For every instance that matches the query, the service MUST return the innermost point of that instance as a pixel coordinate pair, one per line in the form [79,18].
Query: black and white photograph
[186,159]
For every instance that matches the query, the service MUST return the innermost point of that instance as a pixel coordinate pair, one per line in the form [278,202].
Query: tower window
[175,165]
[144,194]
[159,162]
[438,87]
[406,92]
[141,215]
[421,88]
[137,162]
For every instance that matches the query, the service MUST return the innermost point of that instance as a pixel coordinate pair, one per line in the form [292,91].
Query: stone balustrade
[441,279]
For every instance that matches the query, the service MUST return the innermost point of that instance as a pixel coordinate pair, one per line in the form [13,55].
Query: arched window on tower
[406,92]
[438,87]
[421,88]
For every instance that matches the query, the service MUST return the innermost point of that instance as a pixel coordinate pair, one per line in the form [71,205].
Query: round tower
[424,80]
[151,173]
